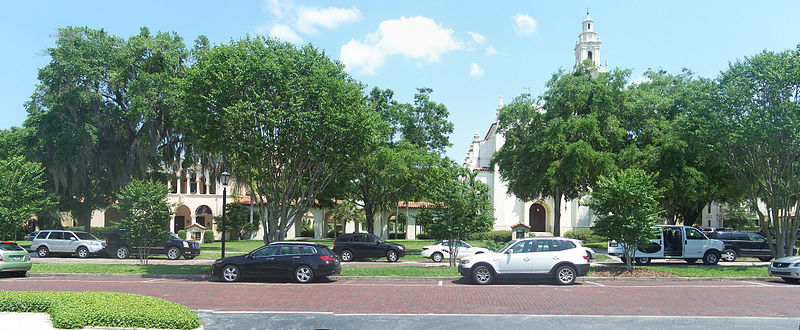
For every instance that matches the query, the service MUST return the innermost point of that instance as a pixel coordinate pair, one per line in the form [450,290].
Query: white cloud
[639,80]
[311,18]
[285,33]
[523,24]
[413,37]
[278,8]
[477,37]
[491,51]
[475,70]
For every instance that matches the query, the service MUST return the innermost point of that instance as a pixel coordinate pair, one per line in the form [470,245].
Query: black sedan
[303,262]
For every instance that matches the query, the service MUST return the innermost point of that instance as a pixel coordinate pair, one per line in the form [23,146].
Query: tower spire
[499,106]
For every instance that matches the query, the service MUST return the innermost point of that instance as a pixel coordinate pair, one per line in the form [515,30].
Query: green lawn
[120,269]
[712,271]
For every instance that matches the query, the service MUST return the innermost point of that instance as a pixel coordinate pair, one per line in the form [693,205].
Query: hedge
[71,310]
[584,234]
[208,237]
[99,232]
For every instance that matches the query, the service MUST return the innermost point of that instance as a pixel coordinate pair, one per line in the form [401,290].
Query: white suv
[62,241]
[562,258]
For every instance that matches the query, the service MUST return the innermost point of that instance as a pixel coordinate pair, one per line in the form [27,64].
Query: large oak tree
[287,121]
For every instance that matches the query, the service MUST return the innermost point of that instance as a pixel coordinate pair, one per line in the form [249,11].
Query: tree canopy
[287,120]
[102,112]
[561,148]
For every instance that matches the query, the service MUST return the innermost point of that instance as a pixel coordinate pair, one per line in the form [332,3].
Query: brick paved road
[668,298]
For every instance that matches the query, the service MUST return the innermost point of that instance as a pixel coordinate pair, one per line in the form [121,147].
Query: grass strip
[400,271]
[71,310]
[119,269]
[711,271]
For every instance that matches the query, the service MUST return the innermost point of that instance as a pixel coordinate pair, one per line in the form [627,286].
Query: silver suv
[64,241]
[563,259]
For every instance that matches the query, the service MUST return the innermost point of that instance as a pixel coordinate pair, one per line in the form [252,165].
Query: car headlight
[218,261]
[796,264]
[185,244]
[402,247]
[464,261]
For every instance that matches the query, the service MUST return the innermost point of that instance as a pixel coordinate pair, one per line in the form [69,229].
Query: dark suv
[363,245]
[743,244]
[173,246]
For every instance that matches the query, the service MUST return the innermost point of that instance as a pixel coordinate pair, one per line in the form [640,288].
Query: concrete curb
[401,278]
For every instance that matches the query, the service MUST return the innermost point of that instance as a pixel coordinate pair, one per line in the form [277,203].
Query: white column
[319,223]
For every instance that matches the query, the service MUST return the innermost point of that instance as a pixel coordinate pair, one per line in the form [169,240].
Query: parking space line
[593,283]
[759,284]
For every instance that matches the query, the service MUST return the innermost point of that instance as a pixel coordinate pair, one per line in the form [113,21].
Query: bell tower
[588,45]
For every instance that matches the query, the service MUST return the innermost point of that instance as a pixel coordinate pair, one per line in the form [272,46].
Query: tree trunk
[557,212]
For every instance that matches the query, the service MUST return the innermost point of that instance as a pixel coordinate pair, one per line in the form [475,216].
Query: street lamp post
[224,178]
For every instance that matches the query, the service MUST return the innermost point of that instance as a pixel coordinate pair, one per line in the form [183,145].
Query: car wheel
[347,255]
[690,260]
[391,256]
[82,252]
[174,253]
[437,257]
[123,252]
[43,252]
[643,261]
[230,273]
[790,279]
[711,257]
[565,275]
[729,255]
[303,274]
[765,259]
[482,275]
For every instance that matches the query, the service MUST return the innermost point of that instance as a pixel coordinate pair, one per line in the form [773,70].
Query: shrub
[182,234]
[584,234]
[101,309]
[422,236]
[208,237]
[99,232]
[397,235]
[498,236]
[307,230]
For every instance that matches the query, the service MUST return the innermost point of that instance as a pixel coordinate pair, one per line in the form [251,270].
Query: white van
[675,242]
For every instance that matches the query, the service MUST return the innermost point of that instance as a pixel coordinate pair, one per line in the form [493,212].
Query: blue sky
[469,52]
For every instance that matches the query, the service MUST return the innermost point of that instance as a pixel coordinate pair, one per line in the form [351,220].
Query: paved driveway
[645,298]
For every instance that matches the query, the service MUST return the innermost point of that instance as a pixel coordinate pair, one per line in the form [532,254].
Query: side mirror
[249,255]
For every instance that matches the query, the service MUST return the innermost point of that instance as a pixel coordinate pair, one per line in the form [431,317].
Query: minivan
[675,242]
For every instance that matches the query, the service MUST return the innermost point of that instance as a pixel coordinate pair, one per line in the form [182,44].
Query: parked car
[14,259]
[561,258]
[441,250]
[303,262]
[80,243]
[365,245]
[172,246]
[787,268]
[675,242]
[741,244]
[29,237]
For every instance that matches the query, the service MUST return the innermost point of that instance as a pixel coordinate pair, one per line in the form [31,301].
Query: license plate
[16,258]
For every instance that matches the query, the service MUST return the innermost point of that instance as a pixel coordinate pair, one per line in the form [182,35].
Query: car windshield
[10,247]
[85,236]
[500,250]
[173,235]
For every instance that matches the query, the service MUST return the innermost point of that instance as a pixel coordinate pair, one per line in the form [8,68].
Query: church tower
[588,45]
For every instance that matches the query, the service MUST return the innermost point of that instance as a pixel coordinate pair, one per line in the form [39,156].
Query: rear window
[10,247]
[344,238]
[324,250]
[566,245]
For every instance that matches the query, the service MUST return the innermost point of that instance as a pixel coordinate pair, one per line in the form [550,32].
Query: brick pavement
[596,297]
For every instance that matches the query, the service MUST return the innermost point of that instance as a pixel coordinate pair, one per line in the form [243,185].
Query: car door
[55,242]
[465,250]
[261,262]
[371,246]
[288,256]
[518,258]
[758,245]
[70,242]
[546,254]
[694,243]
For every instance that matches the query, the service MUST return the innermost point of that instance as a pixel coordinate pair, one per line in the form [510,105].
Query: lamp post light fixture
[224,179]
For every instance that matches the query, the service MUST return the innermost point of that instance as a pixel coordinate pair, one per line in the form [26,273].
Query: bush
[497,236]
[208,237]
[307,230]
[423,236]
[101,309]
[397,235]
[182,234]
[99,232]
[584,234]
